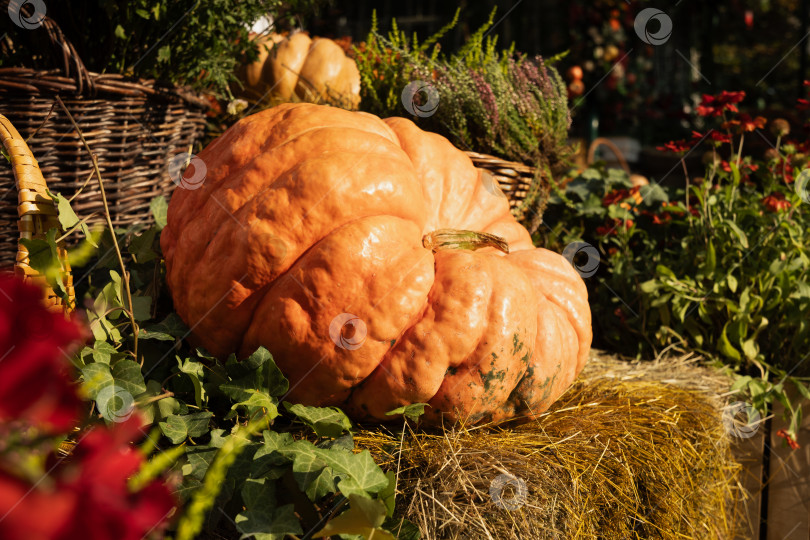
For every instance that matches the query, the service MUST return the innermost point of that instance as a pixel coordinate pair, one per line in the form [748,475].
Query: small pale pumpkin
[300,68]
[341,243]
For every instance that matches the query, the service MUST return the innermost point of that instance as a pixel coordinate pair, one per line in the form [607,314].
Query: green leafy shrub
[720,267]
[192,43]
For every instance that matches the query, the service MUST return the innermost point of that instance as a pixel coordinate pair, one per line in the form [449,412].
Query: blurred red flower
[35,382]
[775,202]
[675,146]
[745,123]
[713,135]
[86,496]
[610,226]
[657,219]
[791,442]
[717,105]
[618,195]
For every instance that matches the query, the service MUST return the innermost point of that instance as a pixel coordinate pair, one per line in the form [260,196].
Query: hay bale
[632,450]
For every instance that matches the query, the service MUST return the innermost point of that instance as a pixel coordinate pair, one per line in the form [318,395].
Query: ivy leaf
[127,375]
[159,208]
[159,409]
[412,411]
[103,329]
[140,246]
[68,218]
[103,352]
[43,257]
[265,524]
[189,486]
[96,377]
[363,517]
[195,373]
[325,421]
[258,372]
[257,492]
[166,330]
[307,462]
[268,461]
[199,459]
[277,383]
[144,333]
[653,194]
[359,474]
[578,187]
[343,443]
[177,428]
[322,485]
[402,529]
[259,401]
[142,307]
[364,475]
[388,494]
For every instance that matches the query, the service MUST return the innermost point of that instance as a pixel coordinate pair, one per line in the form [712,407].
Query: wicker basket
[37,216]
[526,190]
[133,127]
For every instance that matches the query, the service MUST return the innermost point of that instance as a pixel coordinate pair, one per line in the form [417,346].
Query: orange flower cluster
[775,202]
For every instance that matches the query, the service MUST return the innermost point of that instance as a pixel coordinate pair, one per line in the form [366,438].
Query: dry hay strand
[621,455]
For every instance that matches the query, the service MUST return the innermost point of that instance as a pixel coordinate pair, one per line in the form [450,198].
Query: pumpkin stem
[458,239]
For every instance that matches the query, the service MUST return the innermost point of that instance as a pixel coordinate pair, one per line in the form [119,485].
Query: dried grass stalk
[632,450]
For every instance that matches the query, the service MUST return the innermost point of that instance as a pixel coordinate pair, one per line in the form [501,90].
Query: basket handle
[37,215]
[71,65]
[613,148]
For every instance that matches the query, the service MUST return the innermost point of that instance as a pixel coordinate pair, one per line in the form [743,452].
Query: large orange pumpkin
[301,68]
[321,234]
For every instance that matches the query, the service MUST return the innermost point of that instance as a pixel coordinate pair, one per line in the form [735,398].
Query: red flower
[618,195]
[35,383]
[657,219]
[746,123]
[214,107]
[610,226]
[615,196]
[775,202]
[802,104]
[791,442]
[87,496]
[717,105]
[675,146]
[713,136]
[719,137]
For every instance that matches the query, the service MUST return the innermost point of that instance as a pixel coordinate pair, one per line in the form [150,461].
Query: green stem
[125,274]
[442,239]
[686,176]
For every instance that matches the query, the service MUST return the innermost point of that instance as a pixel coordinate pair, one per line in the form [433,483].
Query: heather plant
[492,101]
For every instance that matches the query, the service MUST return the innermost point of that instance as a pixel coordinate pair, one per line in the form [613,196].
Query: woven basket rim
[53,81]
[518,166]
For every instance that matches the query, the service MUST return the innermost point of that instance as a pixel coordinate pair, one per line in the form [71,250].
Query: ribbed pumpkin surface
[307,238]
